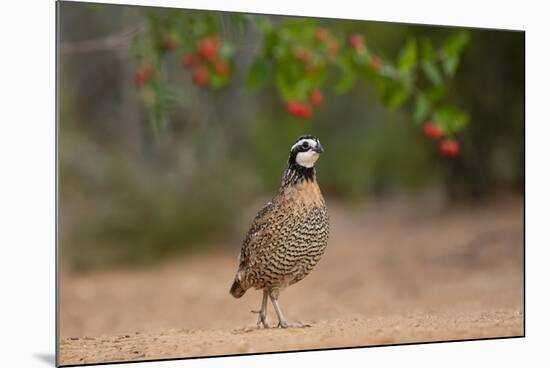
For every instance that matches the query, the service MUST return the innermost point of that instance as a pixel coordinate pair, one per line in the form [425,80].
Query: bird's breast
[304,194]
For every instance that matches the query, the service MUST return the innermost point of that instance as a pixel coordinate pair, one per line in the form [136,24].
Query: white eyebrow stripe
[312,143]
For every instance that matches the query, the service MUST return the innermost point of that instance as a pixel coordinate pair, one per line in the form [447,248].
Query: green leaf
[303,88]
[436,93]
[348,76]
[427,50]
[297,27]
[450,64]
[392,92]
[291,89]
[451,119]
[397,98]
[345,83]
[451,52]
[408,57]
[285,87]
[422,108]
[218,81]
[258,73]
[271,42]
[456,43]
[432,72]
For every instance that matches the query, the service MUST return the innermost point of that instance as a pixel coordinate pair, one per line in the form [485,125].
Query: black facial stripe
[305,145]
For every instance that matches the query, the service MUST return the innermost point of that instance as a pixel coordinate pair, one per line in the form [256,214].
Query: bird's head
[305,152]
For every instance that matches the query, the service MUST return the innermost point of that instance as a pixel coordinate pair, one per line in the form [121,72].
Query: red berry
[449,148]
[432,130]
[376,62]
[299,109]
[208,48]
[303,54]
[321,34]
[222,67]
[201,75]
[189,60]
[143,74]
[356,41]
[316,98]
[308,112]
[294,108]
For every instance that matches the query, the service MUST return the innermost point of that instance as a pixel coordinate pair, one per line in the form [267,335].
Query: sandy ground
[392,273]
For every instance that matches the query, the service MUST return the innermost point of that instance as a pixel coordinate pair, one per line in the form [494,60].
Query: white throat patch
[307,159]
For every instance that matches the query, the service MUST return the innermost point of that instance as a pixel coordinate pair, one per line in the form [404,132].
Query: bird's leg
[262,313]
[282,321]
[262,318]
[274,295]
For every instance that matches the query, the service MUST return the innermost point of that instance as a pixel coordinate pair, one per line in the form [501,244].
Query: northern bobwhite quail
[289,234]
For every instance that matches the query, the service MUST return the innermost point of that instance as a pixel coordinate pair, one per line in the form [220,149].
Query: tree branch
[119,40]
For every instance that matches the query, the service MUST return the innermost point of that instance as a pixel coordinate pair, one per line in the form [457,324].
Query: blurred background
[130,194]
[162,161]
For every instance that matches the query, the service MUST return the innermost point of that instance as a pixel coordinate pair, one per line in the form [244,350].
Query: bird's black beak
[319,148]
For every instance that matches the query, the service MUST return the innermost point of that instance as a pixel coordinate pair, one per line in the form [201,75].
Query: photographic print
[234,183]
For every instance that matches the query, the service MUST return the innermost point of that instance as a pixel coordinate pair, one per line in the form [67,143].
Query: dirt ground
[392,273]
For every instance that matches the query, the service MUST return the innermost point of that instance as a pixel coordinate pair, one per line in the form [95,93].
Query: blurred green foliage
[301,56]
[130,194]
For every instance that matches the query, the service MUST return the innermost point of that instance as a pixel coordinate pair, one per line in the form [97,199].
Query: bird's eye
[305,145]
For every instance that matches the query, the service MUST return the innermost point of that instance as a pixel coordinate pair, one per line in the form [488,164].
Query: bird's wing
[257,237]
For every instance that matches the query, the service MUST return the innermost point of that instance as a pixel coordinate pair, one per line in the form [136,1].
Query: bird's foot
[285,324]
[262,319]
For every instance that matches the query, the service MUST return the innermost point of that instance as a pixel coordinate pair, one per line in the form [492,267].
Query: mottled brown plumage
[289,234]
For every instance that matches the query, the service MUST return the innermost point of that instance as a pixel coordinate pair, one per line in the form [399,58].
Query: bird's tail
[236,289]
